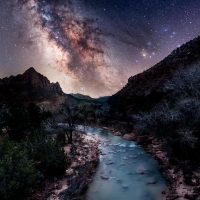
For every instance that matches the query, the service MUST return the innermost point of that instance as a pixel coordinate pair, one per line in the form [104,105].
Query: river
[124,171]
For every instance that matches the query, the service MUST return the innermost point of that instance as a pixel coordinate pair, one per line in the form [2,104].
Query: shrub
[177,126]
[176,119]
[185,83]
[49,157]
[17,174]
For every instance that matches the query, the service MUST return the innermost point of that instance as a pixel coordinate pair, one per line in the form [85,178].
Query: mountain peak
[32,84]
[31,76]
[31,70]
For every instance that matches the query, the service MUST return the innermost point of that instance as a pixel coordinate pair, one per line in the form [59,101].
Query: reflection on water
[128,169]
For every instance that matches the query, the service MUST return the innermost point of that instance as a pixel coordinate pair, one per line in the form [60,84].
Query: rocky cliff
[146,87]
[27,86]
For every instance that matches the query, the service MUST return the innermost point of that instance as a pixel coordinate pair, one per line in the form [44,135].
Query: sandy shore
[84,160]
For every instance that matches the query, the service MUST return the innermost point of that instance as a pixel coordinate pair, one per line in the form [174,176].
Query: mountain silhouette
[145,88]
[29,86]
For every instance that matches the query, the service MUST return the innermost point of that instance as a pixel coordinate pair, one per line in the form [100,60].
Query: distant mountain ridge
[88,98]
[145,87]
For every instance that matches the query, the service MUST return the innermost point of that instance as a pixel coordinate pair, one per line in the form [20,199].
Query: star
[86,43]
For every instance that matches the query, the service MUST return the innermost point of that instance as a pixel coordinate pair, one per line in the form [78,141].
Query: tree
[20,120]
[72,114]
[103,112]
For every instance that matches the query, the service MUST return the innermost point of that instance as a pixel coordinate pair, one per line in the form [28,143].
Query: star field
[91,46]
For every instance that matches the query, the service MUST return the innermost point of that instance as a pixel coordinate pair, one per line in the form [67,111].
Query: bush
[17,174]
[176,119]
[185,83]
[49,157]
[177,126]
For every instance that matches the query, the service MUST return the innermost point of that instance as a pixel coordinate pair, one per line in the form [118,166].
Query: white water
[131,169]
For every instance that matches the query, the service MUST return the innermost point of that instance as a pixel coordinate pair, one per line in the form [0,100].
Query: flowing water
[126,169]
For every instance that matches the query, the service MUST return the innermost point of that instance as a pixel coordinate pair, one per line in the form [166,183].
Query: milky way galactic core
[92,46]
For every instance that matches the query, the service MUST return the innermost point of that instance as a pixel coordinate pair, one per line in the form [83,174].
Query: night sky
[92,46]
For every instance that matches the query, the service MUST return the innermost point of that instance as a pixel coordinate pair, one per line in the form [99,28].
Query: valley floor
[183,179]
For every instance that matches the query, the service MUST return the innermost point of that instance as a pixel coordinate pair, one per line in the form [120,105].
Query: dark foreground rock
[129,136]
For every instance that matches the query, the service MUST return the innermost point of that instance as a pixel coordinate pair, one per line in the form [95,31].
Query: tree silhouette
[72,115]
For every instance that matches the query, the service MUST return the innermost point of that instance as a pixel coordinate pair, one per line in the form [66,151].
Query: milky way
[91,46]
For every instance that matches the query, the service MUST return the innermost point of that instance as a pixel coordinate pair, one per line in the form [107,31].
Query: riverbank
[183,178]
[83,155]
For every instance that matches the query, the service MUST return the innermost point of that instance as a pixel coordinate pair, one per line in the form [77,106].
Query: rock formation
[146,87]
[29,85]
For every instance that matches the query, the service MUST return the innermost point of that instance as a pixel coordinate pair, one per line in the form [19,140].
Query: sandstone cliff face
[32,77]
[30,84]
[147,86]
[31,80]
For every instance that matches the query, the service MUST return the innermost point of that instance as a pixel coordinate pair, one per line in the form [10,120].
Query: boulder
[151,182]
[109,163]
[104,177]
[130,136]
[117,133]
